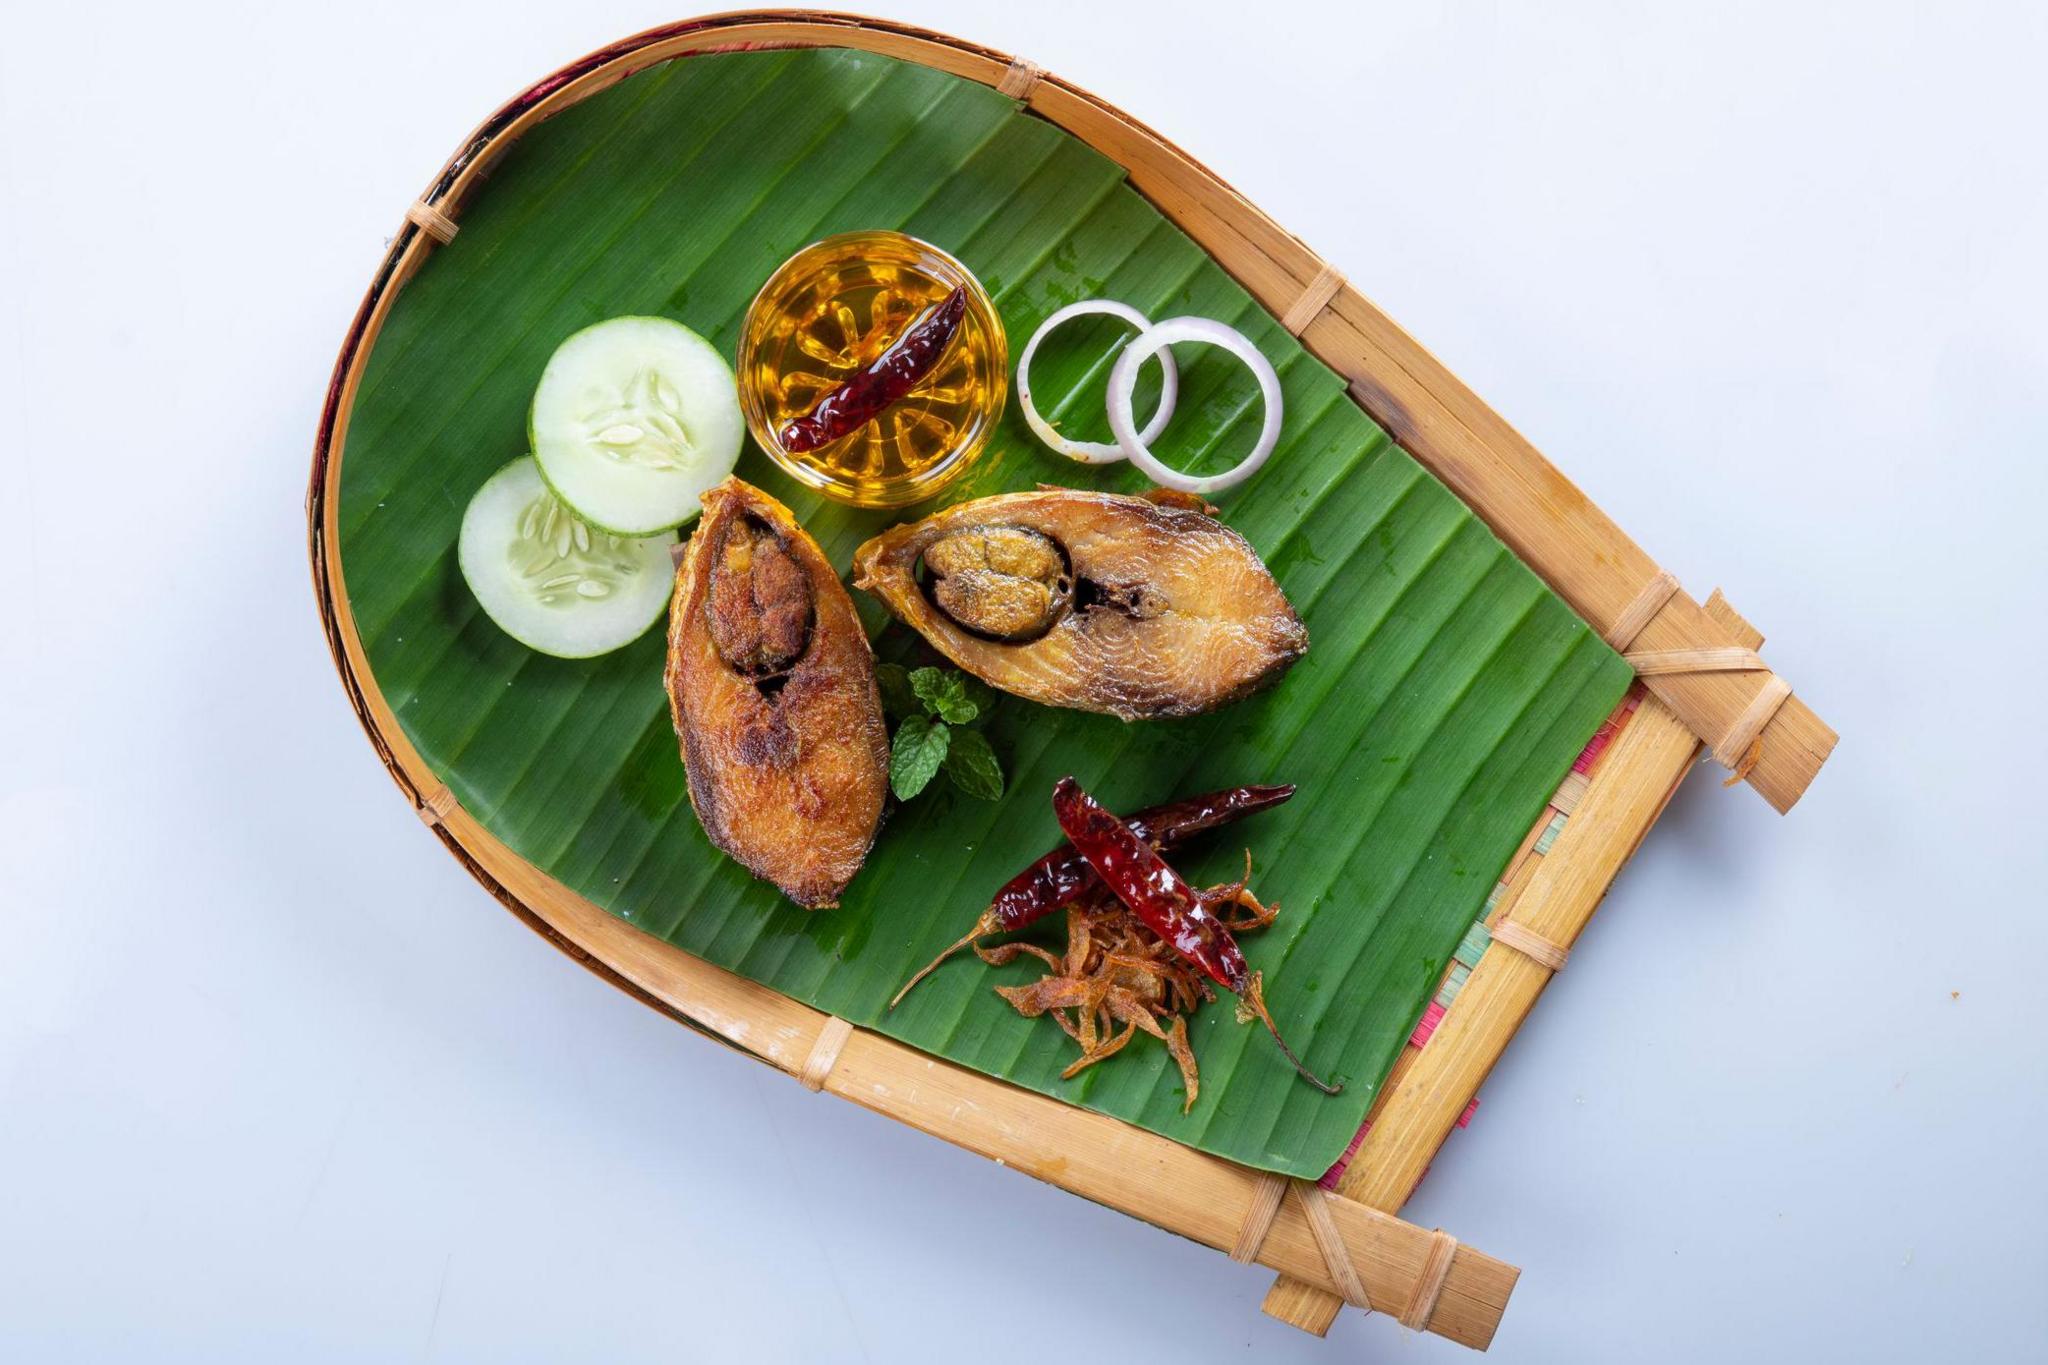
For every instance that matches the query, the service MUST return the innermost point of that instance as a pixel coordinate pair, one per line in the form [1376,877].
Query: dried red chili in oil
[890,376]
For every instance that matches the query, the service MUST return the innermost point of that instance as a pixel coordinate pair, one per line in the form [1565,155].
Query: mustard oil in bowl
[832,310]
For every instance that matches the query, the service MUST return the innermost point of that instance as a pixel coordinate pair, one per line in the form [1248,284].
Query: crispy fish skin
[787,768]
[1171,613]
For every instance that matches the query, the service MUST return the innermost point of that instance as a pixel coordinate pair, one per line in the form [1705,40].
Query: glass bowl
[827,313]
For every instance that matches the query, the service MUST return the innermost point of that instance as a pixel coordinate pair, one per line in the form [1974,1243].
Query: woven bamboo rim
[1550,525]
[1550,895]
[1199,1196]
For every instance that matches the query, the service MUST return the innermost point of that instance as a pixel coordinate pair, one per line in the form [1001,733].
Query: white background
[278,1081]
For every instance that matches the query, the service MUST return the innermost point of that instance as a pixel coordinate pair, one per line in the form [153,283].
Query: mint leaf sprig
[939,709]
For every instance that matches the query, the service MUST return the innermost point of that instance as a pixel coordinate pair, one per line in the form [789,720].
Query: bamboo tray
[1701,684]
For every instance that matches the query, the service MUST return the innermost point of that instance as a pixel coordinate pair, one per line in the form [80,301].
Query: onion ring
[1123,381]
[1095,452]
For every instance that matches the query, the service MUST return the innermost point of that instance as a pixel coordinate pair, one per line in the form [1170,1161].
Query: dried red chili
[1168,906]
[1063,874]
[892,374]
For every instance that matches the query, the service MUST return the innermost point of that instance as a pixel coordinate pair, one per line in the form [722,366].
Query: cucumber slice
[633,419]
[551,582]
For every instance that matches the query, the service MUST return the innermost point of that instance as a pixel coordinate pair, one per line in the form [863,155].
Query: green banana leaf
[1445,693]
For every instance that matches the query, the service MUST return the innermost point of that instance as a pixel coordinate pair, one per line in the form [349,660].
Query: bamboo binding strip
[824,1054]
[1639,613]
[1020,79]
[1322,1225]
[1314,298]
[431,221]
[1740,747]
[1651,663]
[1531,945]
[435,805]
[1271,1192]
[1429,1286]
[1258,1218]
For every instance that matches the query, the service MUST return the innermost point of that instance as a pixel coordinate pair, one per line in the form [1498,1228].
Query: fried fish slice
[772,688]
[1137,607]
